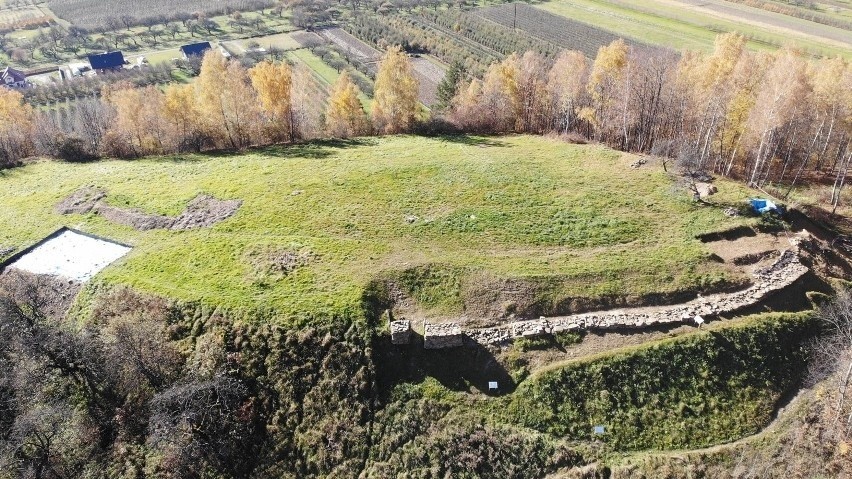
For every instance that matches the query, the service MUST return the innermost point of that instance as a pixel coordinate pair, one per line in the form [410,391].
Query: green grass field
[666,23]
[513,207]
[324,72]
[279,40]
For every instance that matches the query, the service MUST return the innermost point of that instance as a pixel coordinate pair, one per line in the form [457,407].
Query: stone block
[440,336]
[400,332]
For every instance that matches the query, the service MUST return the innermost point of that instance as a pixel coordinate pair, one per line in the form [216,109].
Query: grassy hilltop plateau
[330,234]
[443,217]
[427,239]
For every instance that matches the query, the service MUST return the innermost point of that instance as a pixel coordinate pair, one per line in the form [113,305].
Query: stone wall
[400,332]
[786,270]
[439,336]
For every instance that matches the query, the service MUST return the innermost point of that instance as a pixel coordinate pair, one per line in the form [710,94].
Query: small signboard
[599,430]
[492,386]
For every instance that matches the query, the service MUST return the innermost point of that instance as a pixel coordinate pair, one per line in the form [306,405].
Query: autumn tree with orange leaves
[395,104]
[345,116]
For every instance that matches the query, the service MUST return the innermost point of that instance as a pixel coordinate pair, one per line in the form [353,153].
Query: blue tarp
[761,205]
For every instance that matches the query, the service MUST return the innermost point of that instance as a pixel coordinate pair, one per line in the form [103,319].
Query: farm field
[759,17]
[555,29]
[840,8]
[135,41]
[13,16]
[351,44]
[284,41]
[325,73]
[835,13]
[675,25]
[429,74]
[92,13]
[448,213]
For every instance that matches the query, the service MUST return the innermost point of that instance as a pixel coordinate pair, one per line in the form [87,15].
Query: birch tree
[567,86]
[395,103]
[345,116]
[273,84]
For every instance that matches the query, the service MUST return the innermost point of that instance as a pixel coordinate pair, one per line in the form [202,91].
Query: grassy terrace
[512,207]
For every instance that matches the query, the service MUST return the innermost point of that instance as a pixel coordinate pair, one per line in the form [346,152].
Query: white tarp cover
[70,255]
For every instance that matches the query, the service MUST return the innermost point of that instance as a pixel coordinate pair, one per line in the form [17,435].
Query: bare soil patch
[306,39]
[404,306]
[747,249]
[202,212]
[134,218]
[205,211]
[81,201]
[429,75]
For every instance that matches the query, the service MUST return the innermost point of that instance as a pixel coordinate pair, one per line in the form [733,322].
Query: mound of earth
[280,262]
[133,218]
[81,201]
[205,211]
[202,212]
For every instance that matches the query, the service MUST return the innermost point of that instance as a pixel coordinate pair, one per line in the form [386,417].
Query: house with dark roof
[195,49]
[12,78]
[107,61]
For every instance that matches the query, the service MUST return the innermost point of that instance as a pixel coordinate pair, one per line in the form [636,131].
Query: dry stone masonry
[786,270]
[439,336]
[400,332]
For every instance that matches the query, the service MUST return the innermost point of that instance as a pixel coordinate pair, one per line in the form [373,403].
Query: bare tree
[689,163]
[833,360]
[198,425]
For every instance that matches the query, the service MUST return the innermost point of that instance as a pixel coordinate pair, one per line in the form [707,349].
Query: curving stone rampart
[786,270]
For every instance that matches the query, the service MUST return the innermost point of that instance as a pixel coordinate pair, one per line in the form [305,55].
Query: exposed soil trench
[202,212]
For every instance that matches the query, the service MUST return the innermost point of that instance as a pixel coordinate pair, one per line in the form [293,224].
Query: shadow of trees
[474,141]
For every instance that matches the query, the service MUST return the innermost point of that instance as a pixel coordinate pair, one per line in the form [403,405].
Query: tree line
[229,106]
[767,118]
